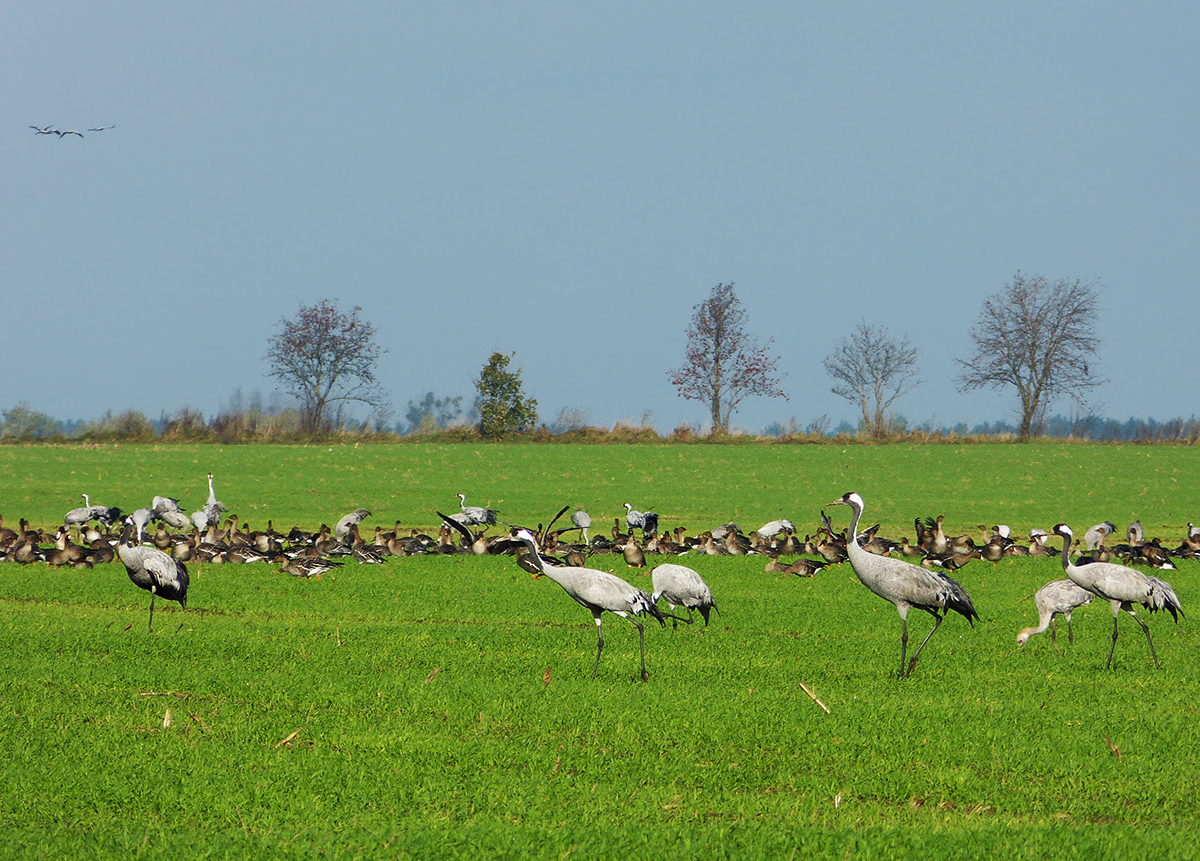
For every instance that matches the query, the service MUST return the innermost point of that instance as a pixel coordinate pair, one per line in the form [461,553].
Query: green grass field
[421,724]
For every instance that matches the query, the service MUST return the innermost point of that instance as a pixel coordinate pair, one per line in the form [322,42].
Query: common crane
[474,515]
[1095,536]
[583,521]
[1058,597]
[904,584]
[681,586]
[153,570]
[1121,587]
[355,517]
[770,530]
[212,510]
[597,591]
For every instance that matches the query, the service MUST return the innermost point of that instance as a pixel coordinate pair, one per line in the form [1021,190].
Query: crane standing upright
[904,584]
[1121,587]
[151,569]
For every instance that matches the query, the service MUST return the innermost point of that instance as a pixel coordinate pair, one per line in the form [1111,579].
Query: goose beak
[538,574]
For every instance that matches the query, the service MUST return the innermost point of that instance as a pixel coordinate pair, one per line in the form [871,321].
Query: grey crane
[904,584]
[681,586]
[355,517]
[583,521]
[770,530]
[1121,587]
[1095,536]
[151,569]
[474,515]
[89,512]
[212,510]
[597,591]
[167,510]
[1058,597]
[645,521]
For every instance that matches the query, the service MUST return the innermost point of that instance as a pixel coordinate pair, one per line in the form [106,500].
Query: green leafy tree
[24,422]
[503,407]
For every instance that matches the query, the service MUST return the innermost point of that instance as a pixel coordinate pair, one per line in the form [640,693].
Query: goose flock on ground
[156,542]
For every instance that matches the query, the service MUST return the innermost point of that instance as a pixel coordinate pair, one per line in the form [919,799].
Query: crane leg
[599,645]
[151,629]
[1108,666]
[937,624]
[1146,628]
[642,639]
[903,643]
[1054,629]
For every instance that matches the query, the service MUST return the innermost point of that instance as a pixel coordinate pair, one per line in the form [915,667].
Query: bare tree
[871,368]
[325,358]
[1038,338]
[723,364]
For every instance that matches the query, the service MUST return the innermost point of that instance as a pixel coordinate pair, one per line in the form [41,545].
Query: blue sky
[566,181]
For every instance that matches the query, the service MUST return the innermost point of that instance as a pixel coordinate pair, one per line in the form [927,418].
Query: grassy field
[443,707]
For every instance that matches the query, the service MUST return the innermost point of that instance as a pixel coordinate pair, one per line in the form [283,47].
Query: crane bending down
[151,569]
[474,515]
[597,591]
[1058,597]
[355,517]
[905,585]
[1121,587]
[680,586]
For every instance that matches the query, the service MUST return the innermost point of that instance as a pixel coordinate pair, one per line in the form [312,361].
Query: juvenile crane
[153,570]
[680,586]
[1121,587]
[905,585]
[597,591]
[1058,597]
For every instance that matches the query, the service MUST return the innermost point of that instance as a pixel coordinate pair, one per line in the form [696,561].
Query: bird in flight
[62,135]
[48,130]
[103,128]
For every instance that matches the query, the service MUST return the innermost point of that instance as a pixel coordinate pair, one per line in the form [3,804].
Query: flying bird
[1122,587]
[103,128]
[48,130]
[596,591]
[905,585]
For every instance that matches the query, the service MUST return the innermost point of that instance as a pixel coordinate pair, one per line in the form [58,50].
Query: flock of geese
[908,575]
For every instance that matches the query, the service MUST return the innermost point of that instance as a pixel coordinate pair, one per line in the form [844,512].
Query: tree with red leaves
[723,364]
[326,358]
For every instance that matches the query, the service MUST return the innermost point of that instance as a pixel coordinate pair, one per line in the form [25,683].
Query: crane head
[1063,530]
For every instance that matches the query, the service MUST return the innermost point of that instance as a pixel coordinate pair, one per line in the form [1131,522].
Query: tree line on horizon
[1034,336]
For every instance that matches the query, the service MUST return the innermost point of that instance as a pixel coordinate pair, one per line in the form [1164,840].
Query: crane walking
[904,584]
[1121,587]
[1058,597]
[597,591]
